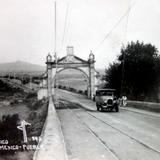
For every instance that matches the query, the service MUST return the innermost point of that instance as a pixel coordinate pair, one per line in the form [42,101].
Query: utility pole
[123,60]
[122,78]
[55,26]
[55,56]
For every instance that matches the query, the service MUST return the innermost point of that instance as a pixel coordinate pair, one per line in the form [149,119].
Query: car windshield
[104,93]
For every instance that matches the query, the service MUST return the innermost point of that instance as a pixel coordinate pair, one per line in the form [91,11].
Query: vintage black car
[106,100]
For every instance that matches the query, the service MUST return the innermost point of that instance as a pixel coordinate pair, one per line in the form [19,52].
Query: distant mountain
[21,66]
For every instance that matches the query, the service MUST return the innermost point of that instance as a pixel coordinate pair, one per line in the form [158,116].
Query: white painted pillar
[49,75]
[91,75]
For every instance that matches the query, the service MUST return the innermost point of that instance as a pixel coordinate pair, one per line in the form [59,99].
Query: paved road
[92,135]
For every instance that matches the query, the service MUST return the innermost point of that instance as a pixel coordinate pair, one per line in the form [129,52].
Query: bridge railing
[52,146]
[150,106]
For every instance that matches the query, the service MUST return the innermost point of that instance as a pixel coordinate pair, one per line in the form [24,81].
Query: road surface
[92,135]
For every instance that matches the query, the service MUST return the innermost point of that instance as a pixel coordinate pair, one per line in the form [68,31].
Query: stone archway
[71,61]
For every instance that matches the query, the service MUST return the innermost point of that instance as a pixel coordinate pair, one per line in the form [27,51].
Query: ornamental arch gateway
[70,61]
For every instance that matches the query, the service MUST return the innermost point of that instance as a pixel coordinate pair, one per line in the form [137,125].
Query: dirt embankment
[15,106]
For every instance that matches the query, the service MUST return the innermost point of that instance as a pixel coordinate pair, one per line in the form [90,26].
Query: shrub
[34,105]
[64,87]
[31,95]
[80,91]
[37,118]
[9,131]
[59,86]
[74,90]
[32,116]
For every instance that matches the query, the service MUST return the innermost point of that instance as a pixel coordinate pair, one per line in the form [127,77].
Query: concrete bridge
[53,142]
[130,134]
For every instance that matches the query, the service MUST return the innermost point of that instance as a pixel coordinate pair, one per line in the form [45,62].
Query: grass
[37,117]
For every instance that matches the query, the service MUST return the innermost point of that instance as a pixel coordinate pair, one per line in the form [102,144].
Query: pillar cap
[49,58]
[91,57]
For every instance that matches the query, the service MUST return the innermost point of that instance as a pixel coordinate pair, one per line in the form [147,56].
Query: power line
[65,24]
[115,26]
[55,26]
[55,84]
[123,61]
[127,21]
[68,31]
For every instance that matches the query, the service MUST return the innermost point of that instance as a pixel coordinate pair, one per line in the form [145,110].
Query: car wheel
[99,108]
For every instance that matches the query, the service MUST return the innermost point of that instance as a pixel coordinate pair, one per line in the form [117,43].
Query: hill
[21,66]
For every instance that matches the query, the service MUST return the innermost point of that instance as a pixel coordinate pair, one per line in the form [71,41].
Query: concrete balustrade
[52,146]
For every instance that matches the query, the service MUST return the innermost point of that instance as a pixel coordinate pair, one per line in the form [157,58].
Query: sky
[27,28]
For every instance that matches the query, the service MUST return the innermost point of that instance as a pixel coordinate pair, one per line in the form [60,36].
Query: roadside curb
[52,146]
[140,111]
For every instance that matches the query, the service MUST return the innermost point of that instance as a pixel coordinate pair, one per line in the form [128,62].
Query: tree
[136,74]
[113,76]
